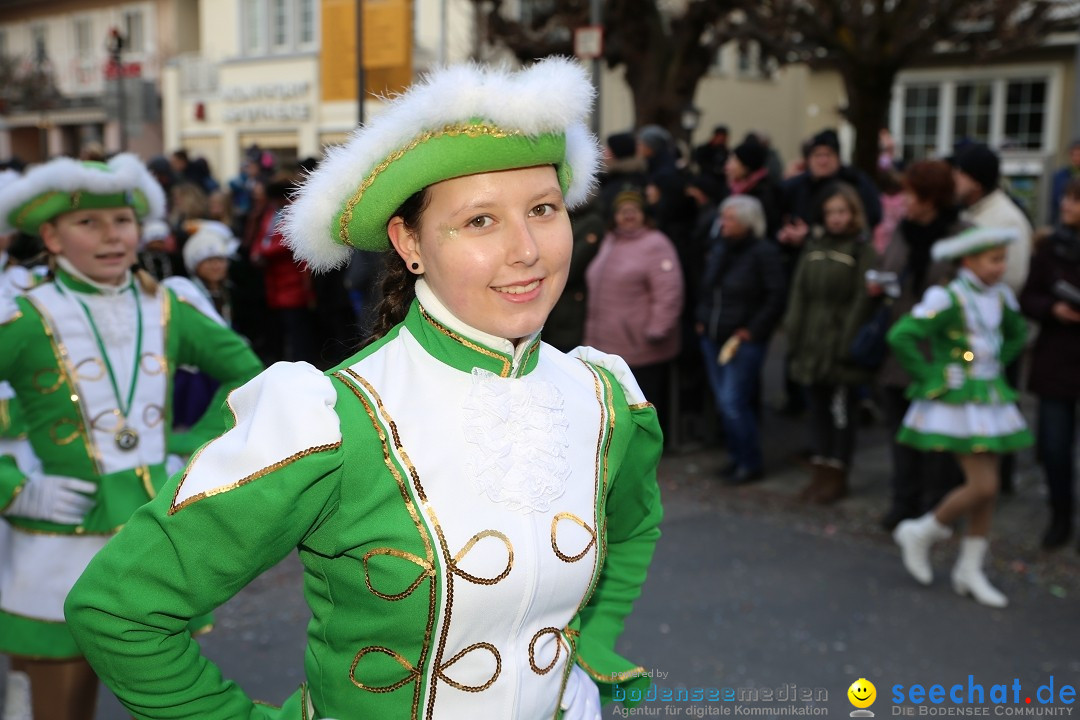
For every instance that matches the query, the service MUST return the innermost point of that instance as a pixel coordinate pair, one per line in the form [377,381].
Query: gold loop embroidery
[95,422]
[554,536]
[427,570]
[159,363]
[456,569]
[44,388]
[412,673]
[153,415]
[532,650]
[95,362]
[472,688]
[54,431]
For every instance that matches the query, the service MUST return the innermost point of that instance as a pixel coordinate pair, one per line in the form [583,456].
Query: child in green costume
[90,355]
[961,402]
[475,510]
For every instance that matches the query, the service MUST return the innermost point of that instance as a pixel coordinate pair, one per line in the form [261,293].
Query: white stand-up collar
[70,269]
[435,308]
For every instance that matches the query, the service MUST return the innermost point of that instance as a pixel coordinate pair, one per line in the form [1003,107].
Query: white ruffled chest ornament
[518,429]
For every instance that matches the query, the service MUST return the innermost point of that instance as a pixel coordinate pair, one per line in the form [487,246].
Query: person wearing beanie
[623,167]
[800,193]
[977,173]
[747,174]
[961,401]
[476,511]
[90,354]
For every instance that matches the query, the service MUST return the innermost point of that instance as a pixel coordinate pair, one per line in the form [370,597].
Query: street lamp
[115,44]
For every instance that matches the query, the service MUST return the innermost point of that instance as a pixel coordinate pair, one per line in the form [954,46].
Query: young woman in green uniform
[90,356]
[475,510]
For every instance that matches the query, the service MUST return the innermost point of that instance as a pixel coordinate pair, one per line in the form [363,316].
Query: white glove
[581,700]
[955,376]
[54,498]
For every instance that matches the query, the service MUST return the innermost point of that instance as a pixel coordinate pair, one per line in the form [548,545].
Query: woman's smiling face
[493,247]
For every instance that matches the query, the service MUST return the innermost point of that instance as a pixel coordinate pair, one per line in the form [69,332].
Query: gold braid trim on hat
[468,129]
[32,206]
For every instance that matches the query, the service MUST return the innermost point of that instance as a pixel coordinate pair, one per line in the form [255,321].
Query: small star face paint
[446,232]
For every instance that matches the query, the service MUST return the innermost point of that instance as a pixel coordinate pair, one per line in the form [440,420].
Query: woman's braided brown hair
[398,286]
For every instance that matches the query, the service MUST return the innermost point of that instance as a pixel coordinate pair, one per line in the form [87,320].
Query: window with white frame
[1025,114]
[921,103]
[39,42]
[278,26]
[972,111]
[82,29]
[306,36]
[134,31]
[1005,111]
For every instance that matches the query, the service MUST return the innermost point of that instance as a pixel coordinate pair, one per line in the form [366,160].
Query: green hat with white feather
[460,120]
[65,185]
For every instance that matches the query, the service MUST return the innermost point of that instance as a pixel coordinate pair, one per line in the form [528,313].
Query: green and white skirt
[967,428]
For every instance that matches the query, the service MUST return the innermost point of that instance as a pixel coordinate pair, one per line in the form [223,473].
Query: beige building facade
[69,41]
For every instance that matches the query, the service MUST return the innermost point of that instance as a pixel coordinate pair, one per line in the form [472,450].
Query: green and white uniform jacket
[978,329]
[52,358]
[471,521]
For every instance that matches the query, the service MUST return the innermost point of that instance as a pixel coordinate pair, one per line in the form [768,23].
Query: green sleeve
[13,325]
[633,514]
[1014,333]
[182,559]
[904,338]
[221,354]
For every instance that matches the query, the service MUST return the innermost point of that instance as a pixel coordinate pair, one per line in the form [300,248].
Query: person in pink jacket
[635,298]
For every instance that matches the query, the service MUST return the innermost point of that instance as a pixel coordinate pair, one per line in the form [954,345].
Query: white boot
[17,697]
[968,577]
[915,538]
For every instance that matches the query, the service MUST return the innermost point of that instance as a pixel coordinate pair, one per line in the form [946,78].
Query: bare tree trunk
[869,92]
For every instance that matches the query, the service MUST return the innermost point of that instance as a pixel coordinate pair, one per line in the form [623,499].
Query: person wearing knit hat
[977,173]
[962,402]
[476,510]
[621,145]
[90,355]
[747,174]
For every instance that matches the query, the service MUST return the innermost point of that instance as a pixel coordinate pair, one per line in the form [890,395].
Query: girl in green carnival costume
[90,355]
[961,401]
[475,510]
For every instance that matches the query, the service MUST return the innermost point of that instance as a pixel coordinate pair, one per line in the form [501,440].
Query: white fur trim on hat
[972,241]
[553,95]
[69,175]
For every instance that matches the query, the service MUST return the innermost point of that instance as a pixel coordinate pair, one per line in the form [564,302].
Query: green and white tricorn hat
[64,185]
[460,120]
[972,241]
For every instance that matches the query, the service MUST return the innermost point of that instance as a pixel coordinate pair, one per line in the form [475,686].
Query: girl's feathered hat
[971,241]
[460,120]
[64,185]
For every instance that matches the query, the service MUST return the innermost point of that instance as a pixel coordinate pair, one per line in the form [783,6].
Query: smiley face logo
[862,693]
